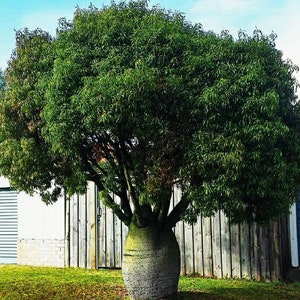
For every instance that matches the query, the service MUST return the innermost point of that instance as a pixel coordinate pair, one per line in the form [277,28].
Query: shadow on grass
[263,292]
[199,295]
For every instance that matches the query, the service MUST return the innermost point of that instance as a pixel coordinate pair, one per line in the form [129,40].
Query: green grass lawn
[32,283]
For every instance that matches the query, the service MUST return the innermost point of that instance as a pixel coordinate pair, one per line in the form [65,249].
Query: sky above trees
[268,15]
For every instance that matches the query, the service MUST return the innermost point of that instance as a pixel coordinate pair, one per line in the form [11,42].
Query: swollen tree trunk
[151,263]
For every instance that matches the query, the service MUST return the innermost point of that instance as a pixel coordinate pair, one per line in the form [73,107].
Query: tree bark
[151,263]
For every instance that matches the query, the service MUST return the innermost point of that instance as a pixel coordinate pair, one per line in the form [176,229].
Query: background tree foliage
[138,99]
[2,81]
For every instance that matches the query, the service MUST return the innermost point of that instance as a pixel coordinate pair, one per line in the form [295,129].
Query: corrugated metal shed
[8,226]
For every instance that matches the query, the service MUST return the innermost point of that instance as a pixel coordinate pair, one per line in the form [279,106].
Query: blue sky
[280,16]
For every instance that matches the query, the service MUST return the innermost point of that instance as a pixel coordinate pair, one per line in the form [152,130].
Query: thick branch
[143,216]
[125,216]
[125,206]
[162,206]
[131,190]
[176,213]
[109,202]
[120,152]
[164,211]
[122,158]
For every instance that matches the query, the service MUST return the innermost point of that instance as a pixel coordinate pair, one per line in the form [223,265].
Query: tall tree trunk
[151,263]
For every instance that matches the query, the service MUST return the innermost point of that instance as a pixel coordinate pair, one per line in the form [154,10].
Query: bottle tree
[138,99]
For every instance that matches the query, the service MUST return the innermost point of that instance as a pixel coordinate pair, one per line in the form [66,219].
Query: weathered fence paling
[212,247]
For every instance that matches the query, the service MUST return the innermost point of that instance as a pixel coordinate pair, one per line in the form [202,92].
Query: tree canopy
[138,99]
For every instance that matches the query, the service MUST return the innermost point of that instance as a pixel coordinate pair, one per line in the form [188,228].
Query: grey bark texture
[151,264]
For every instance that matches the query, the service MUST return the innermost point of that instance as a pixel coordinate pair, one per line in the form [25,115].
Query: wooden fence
[211,248]
[80,229]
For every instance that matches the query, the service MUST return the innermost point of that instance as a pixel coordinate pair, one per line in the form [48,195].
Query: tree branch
[162,206]
[176,213]
[125,216]
[163,213]
[109,202]
[125,206]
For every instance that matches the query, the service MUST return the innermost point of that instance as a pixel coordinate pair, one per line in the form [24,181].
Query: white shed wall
[4,183]
[41,232]
[38,220]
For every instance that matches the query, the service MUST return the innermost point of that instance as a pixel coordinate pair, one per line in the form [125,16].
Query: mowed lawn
[33,283]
